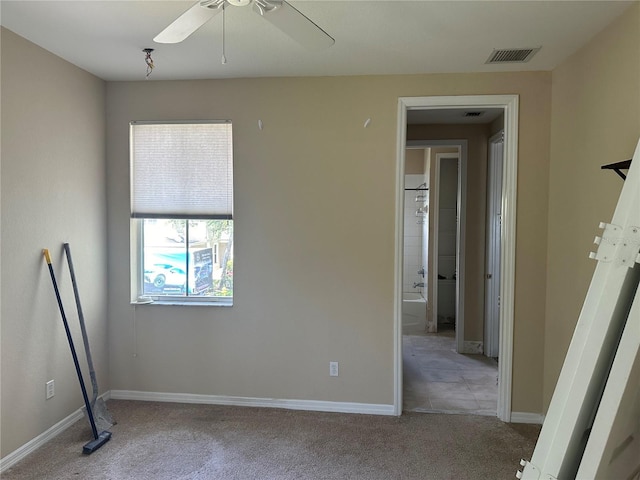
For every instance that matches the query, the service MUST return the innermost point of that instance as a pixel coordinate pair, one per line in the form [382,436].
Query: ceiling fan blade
[293,23]
[187,23]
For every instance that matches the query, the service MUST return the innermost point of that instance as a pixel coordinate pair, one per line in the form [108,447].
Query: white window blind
[181,170]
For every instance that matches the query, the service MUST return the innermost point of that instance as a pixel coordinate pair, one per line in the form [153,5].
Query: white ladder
[592,427]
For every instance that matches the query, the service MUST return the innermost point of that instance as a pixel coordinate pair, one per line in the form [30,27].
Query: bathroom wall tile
[416,242]
[411,264]
[413,259]
[411,228]
[412,278]
[413,180]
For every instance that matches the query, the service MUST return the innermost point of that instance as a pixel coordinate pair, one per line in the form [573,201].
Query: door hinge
[531,472]
[618,245]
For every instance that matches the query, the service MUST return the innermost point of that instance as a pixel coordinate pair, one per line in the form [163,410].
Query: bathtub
[414,312]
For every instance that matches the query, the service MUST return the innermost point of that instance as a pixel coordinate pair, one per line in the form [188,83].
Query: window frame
[136,243]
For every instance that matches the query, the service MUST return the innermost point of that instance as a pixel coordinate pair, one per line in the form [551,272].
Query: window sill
[182,303]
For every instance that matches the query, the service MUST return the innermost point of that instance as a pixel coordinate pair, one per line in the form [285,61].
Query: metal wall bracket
[618,167]
[618,245]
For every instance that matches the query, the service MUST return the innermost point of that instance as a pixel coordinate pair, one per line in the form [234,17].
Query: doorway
[439,376]
[445,234]
[509,105]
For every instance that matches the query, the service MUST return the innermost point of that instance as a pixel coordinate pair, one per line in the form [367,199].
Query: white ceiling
[106,38]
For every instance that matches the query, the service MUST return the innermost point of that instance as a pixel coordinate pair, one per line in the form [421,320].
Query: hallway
[436,379]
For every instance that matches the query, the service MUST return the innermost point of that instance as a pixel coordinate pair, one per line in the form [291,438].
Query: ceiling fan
[280,13]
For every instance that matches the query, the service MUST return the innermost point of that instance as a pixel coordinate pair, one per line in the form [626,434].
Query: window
[182,211]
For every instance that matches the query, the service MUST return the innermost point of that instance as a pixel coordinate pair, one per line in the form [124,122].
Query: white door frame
[492,255]
[461,156]
[509,103]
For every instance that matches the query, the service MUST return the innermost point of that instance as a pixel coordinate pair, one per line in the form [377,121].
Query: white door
[493,246]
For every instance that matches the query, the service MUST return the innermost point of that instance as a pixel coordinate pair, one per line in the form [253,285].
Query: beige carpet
[185,441]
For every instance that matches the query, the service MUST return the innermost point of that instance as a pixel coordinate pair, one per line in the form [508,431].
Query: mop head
[93,445]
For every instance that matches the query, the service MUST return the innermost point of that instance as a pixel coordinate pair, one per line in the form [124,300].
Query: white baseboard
[310,405]
[527,417]
[473,347]
[17,455]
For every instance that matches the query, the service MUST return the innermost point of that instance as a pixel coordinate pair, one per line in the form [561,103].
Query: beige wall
[315,235]
[53,191]
[595,121]
[302,298]
[414,161]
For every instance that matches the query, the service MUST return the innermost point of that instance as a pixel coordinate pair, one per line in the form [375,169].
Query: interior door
[494,227]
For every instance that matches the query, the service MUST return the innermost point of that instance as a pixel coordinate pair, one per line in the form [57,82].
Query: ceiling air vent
[473,114]
[512,55]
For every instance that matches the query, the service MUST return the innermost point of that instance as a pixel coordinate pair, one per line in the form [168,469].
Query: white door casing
[509,103]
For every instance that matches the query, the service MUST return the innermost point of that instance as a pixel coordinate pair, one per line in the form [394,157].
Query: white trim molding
[32,445]
[473,348]
[527,417]
[510,105]
[308,405]
[29,447]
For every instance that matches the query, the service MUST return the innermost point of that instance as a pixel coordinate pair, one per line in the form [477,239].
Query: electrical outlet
[51,389]
[333,369]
